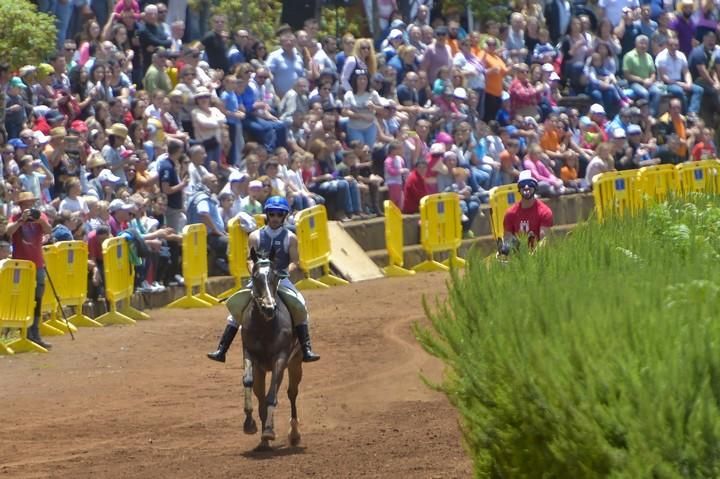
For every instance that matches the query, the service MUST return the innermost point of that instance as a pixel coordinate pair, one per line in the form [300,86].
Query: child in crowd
[510,164]
[15,114]
[602,161]
[226,205]
[298,191]
[32,180]
[73,202]
[544,51]
[272,171]
[704,149]
[442,82]
[394,172]
[469,204]
[569,175]
[251,203]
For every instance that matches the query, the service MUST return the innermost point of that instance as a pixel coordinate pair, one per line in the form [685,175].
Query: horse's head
[265,283]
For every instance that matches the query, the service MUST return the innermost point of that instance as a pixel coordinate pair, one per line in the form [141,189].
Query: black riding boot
[303,334]
[225,342]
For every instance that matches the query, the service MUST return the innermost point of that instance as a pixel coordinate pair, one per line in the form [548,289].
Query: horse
[269,344]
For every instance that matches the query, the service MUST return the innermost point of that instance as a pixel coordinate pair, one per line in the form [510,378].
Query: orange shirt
[682,134]
[494,80]
[568,173]
[453,44]
[550,140]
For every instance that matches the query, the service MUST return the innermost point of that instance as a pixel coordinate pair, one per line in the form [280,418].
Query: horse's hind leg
[268,431]
[294,378]
[249,427]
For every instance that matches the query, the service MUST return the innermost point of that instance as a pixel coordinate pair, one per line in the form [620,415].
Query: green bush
[27,36]
[595,357]
[263,17]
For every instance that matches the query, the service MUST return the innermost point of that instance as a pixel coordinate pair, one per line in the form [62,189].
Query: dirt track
[143,402]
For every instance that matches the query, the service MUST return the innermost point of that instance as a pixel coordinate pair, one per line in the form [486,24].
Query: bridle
[264,301]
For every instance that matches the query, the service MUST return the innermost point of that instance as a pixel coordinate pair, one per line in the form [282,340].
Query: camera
[34,214]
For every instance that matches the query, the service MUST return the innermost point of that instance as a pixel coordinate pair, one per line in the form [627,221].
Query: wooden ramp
[348,258]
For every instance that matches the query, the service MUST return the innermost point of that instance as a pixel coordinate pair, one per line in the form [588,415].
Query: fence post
[440,231]
[394,241]
[17,304]
[119,284]
[237,257]
[195,269]
[314,248]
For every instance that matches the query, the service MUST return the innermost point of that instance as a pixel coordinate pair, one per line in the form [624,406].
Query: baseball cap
[237,176]
[108,176]
[17,143]
[79,126]
[460,93]
[634,130]
[547,67]
[619,134]
[53,115]
[437,149]
[40,137]
[255,184]
[505,96]
[395,33]
[119,205]
[17,82]
[597,109]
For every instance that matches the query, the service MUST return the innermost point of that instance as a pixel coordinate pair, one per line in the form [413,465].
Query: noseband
[258,298]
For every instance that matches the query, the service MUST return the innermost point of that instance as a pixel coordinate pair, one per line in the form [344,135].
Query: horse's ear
[253,255]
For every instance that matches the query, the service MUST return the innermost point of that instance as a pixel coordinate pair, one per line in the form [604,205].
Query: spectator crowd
[137,125]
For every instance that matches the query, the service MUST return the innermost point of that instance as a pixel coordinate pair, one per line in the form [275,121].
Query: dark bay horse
[269,344]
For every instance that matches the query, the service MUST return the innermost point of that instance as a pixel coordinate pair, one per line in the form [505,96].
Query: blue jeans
[609,98]
[63,13]
[696,94]
[270,133]
[343,194]
[651,94]
[469,208]
[367,136]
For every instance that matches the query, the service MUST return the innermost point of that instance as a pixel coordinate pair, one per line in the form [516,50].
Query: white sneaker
[180,280]
[464,218]
[157,287]
[144,288]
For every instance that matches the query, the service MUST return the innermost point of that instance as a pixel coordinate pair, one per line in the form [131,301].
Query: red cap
[79,126]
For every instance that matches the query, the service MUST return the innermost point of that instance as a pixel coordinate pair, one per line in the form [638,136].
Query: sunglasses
[275,214]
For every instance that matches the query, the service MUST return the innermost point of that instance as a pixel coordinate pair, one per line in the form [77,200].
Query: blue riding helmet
[276,203]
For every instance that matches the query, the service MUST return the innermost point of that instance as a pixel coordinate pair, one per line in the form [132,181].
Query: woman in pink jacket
[548,183]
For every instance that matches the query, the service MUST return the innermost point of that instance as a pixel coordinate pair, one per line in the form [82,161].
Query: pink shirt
[541,172]
[134,6]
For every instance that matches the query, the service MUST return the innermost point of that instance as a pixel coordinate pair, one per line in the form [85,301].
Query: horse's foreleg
[294,378]
[249,427]
[268,432]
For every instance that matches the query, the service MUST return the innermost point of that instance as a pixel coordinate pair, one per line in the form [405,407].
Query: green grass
[598,356]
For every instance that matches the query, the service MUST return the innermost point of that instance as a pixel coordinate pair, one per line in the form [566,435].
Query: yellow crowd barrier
[656,183]
[195,269]
[49,306]
[501,198]
[314,248]
[699,177]
[394,241]
[440,230]
[119,284]
[237,257]
[17,304]
[616,192]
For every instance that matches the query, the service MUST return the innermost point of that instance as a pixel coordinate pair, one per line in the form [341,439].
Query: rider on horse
[283,244]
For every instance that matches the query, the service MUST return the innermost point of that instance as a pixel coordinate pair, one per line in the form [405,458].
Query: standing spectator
[151,37]
[26,230]
[673,71]
[363,58]
[214,42]
[524,96]
[639,71]
[168,170]
[684,26]
[394,172]
[237,53]
[495,71]
[437,55]
[157,77]
[208,124]
[285,63]
[613,9]
[359,106]
[701,65]
[415,188]
[473,71]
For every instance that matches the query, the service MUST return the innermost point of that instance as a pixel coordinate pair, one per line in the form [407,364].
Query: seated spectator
[73,202]
[704,148]
[548,183]
[602,161]
[639,71]
[469,203]
[251,203]
[300,195]
[674,73]
[349,169]
[204,208]
[674,139]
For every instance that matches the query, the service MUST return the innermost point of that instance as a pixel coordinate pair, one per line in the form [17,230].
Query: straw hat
[118,129]
[26,196]
[201,92]
[96,160]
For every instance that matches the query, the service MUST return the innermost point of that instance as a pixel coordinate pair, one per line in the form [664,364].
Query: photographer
[26,230]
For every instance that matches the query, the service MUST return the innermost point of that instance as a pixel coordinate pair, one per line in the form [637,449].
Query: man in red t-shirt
[26,230]
[530,216]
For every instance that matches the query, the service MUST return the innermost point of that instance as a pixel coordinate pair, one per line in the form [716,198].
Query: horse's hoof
[264,446]
[294,438]
[268,435]
[250,426]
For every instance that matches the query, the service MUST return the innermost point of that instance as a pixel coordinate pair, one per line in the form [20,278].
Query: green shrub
[27,36]
[596,357]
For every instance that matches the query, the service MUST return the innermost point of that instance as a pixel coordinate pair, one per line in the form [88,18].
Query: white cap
[460,93]
[255,184]
[525,175]
[108,176]
[437,149]
[40,137]
[238,176]
[597,109]
[619,133]
[547,67]
[505,96]
[395,33]
[554,77]
[120,205]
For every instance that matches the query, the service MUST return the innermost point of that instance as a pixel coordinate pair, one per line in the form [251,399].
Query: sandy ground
[142,401]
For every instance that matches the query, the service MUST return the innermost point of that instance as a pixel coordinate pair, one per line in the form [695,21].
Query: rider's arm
[253,244]
[294,254]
